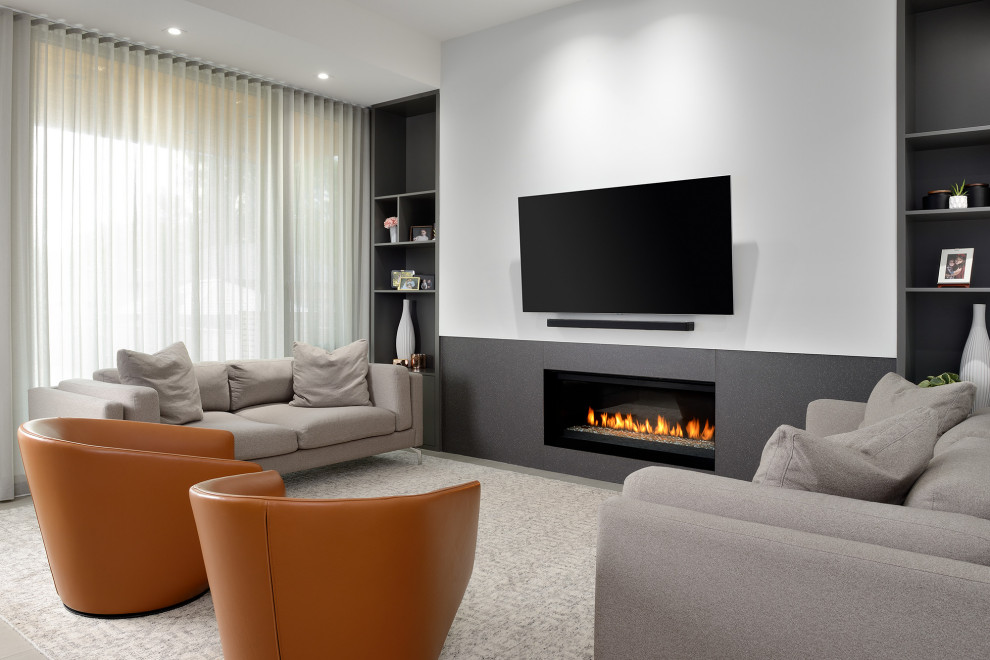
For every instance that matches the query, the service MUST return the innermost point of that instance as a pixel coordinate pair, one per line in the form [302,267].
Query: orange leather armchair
[297,579]
[112,499]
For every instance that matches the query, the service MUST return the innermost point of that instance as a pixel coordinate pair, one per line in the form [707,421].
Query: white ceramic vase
[393,234]
[975,366]
[958,202]
[405,336]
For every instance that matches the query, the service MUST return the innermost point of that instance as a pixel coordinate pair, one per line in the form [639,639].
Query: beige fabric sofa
[693,565]
[250,398]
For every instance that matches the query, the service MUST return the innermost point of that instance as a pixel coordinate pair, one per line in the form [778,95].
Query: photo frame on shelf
[408,284]
[399,274]
[956,267]
[421,233]
[427,282]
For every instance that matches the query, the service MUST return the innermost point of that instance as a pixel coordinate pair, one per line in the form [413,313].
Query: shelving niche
[944,123]
[404,185]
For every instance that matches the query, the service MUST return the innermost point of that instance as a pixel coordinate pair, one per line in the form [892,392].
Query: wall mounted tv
[657,248]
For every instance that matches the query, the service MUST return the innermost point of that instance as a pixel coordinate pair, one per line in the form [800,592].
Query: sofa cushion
[878,463]
[950,535]
[170,373]
[214,393]
[956,480]
[251,439]
[254,382]
[330,379]
[319,427]
[976,425]
[893,395]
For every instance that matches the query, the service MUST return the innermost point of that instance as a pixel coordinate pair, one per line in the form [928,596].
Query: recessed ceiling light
[323,76]
[174,31]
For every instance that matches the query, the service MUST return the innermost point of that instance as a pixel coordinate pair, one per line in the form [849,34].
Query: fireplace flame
[692,429]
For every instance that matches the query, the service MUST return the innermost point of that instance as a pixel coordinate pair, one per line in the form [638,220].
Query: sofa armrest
[140,403]
[673,583]
[52,402]
[388,385]
[949,535]
[831,416]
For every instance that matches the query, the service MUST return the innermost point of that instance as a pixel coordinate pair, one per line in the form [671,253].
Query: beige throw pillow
[170,373]
[956,480]
[322,379]
[878,463]
[893,395]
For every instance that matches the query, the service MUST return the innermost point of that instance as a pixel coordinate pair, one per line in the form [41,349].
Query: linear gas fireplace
[660,420]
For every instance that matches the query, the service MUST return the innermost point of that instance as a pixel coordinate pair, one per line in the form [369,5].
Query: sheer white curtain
[15,195]
[168,200]
[174,201]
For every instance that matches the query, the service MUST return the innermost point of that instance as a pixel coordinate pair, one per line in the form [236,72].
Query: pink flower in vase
[391,222]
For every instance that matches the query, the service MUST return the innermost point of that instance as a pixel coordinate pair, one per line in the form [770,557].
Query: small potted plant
[392,225]
[959,199]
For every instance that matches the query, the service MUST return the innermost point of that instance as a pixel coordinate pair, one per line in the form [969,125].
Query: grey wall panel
[756,392]
[647,361]
[493,397]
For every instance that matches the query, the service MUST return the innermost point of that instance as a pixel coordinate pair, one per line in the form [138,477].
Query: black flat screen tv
[657,248]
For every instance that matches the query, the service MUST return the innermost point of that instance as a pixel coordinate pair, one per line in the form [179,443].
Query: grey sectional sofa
[250,398]
[692,565]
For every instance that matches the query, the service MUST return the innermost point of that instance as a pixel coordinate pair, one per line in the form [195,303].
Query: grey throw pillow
[170,373]
[322,379]
[878,463]
[956,480]
[893,395]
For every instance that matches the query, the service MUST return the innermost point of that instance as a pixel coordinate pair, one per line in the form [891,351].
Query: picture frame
[398,274]
[408,284]
[421,233]
[956,267]
[427,283]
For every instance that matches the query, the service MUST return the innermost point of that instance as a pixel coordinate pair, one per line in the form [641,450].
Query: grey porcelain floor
[13,646]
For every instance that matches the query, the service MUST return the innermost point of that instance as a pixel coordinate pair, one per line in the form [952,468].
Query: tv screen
[657,248]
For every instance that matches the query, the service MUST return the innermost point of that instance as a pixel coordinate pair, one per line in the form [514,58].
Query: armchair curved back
[351,578]
[112,502]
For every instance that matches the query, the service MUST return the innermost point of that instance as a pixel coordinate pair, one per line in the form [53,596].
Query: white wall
[795,99]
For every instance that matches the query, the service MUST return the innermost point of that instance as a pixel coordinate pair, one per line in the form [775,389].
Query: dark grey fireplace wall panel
[756,392]
[493,397]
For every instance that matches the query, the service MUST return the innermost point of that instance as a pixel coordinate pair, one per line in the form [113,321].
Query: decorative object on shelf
[943,378]
[405,336]
[978,194]
[427,283]
[958,199]
[400,362]
[408,284]
[956,268]
[421,233]
[418,362]
[936,199]
[392,225]
[398,275]
[975,366]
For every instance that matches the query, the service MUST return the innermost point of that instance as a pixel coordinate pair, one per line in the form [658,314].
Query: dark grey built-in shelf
[947,139]
[411,195]
[427,291]
[407,244]
[978,213]
[948,289]
[929,5]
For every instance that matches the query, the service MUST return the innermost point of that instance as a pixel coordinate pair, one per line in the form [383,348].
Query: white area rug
[531,594]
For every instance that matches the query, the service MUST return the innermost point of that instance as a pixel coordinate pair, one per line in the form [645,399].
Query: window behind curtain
[175,201]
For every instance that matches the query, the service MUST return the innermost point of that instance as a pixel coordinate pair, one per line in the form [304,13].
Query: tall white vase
[975,365]
[405,336]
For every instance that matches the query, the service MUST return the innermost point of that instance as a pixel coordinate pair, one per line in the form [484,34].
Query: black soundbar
[683,326]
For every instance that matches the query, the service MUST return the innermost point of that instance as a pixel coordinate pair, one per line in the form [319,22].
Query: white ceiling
[375,50]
